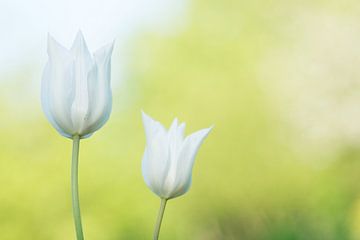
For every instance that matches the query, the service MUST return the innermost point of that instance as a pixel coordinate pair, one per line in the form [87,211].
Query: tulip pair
[76,99]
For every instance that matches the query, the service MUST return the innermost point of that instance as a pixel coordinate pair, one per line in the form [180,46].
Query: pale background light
[25,24]
[279,79]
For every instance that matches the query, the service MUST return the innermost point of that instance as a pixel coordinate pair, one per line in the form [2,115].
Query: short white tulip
[169,157]
[76,92]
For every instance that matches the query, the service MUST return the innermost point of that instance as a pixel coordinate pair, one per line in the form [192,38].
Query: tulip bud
[169,157]
[76,92]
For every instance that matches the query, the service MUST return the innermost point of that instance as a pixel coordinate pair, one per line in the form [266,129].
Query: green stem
[74,188]
[159,218]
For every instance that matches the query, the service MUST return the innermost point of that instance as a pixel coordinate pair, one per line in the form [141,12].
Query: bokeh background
[279,79]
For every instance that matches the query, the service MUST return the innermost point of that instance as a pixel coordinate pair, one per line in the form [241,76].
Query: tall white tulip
[168,160]
[76,99]
[76,92]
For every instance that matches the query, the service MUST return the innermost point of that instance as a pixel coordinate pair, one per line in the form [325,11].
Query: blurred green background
[280,81]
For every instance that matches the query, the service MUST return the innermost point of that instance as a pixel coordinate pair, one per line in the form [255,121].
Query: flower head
[76,92]
[169,157]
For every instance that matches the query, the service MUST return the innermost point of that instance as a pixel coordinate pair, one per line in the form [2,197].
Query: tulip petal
[83,64]
[57,84]
[80,50]
[176,135]
[156,163]
[180,131]
[151,126]
[103,54]
[186,159]
[173,140]
[76,92]
[169,158]
[100,88]
[57,53]
[45,100]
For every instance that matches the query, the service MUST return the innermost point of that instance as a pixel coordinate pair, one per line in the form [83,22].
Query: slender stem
[159,218]
[74,188]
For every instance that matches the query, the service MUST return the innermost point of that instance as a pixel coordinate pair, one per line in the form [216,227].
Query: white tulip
[76,91]
[169,157]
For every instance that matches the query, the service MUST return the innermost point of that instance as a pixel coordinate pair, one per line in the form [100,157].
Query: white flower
[76,92]
[169,157]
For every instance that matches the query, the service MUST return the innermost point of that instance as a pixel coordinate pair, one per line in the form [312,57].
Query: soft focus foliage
[268,171]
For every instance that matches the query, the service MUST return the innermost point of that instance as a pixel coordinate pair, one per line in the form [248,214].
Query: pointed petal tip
[104,53]
[53,46]
[79,34]
[182,124]
[176,120]
[145,117]
[205,131]
[79,42]
[174,123]
[143,114]
[50,39]
[110,46]
[113,43]
[209,129]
